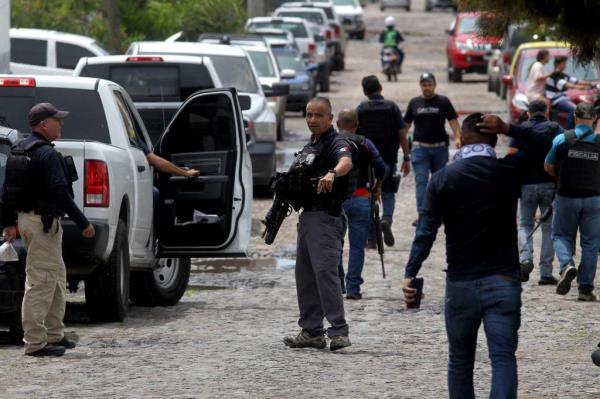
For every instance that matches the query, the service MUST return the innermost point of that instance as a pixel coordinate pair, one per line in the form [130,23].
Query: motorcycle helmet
[390,21]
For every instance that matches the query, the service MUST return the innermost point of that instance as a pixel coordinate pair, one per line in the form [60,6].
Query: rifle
[376,220]
[280,209]
[545,216]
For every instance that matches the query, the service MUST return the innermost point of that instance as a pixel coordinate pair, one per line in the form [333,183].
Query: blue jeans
[426,161]
[495,300]
[534,196]
[388,197]
[358,211]
[567,105]
[571,214]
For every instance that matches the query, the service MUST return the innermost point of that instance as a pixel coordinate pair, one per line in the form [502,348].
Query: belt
[332,210]
[430,145]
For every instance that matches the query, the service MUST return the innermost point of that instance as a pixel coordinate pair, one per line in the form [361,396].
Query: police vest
[376,122]
[359,177]
[579,174]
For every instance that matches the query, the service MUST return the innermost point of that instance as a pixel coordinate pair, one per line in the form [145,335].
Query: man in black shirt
[537,190]
[429,151]
[476,199]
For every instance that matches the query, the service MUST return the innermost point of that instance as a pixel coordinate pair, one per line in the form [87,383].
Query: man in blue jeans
[429,113]
[575,158]
[358,207]
[537,191]
[476,198]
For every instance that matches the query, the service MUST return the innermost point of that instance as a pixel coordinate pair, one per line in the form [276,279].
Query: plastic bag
[8,253]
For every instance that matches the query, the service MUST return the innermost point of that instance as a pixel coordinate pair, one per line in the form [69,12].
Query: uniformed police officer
[326,161]
[575,158]
[380,121]
[48,198]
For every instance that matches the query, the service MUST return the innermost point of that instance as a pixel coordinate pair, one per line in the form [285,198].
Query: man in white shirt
[536,80]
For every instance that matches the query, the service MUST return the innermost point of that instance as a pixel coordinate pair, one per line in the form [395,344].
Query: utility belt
[334,208]
[417,144]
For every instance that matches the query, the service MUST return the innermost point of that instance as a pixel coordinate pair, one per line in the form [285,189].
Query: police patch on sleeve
[345,150]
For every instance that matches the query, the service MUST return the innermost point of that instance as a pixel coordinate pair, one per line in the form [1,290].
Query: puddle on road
[237,265]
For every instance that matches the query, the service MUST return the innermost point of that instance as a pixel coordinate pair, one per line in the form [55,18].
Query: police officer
[537,191]
[380,121]
[575,158]
[49,196]
[326,161]
[429,113]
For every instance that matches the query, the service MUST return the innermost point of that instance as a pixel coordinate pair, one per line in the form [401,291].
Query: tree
[573,22]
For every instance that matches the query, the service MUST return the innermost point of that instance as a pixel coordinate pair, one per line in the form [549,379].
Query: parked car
[235,69]
[493,71]
[352,15]
[383,4]
[311,43]
[48,52]
[524,58]
[466,50]
[278,37]
[135,254]
[431,4]
[338,39]
[302,84]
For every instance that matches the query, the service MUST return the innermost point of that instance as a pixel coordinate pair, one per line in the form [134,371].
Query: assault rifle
[376,219]
[545,216]
[282,207]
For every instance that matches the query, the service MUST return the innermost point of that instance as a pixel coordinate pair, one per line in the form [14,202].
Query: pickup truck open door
[208,215]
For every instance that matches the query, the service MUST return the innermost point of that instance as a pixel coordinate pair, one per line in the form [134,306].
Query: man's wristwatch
[332,171]
[406,158]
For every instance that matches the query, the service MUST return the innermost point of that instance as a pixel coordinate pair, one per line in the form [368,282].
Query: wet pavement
[223,340]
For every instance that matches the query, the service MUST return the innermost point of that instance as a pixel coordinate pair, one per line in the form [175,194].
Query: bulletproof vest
[579,173]
[361,162]
[375,122]
[20,182]
[389,39]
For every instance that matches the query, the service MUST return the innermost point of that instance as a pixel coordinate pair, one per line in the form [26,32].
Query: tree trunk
[115,41]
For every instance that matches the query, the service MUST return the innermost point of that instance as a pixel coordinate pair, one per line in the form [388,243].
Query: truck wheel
[107,288]
[457,75]
[163,286]
[324,84]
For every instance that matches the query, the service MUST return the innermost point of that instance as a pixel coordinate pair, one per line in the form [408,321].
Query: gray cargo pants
[317,282]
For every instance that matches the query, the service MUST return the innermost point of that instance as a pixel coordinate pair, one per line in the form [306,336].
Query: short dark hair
[537,107]
[472,133]
[541,54]
[559,59]
[370,85]
[322,100]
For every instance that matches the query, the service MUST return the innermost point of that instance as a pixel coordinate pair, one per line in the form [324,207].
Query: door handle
[141,168]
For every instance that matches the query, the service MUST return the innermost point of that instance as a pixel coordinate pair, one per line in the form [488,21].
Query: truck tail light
[338,31]
[144,59]
[96,192]
[312,47]
[17,82]
[327,34]
[506,58]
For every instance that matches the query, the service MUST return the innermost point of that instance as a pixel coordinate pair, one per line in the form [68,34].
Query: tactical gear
[579,173]
[19,174]
[377,124]
[361,161]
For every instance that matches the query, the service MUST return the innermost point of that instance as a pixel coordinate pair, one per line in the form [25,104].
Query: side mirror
[288,74]
[245,102]
[507,80]
[277,90]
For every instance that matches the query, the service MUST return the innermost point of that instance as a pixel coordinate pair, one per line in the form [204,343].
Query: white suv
[49,52]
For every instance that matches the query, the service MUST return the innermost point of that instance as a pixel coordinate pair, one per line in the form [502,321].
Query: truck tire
[163,286]
[324,83]
[107,288]
[457,75]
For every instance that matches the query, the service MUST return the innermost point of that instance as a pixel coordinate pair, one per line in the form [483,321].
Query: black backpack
[18,173]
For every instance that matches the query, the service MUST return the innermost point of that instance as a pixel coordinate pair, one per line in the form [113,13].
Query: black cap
[585,111]
[41,111]
[537,107]
[427,76]
[370,84]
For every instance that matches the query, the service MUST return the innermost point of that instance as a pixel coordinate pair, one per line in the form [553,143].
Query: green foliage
[140,19]
[572,22]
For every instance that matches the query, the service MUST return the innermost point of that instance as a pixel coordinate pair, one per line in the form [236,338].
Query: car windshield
[263,64]
[344,2]
[297,29]
[290,61]
[468,24]
[235,72]
[587,72]
[315,17]
[86,114]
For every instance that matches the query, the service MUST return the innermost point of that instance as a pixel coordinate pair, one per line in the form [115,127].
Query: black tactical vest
[376,122]
[579,173]
[361,162]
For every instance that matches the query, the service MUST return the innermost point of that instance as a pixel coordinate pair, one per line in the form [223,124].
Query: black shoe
[596,356]
[354,296]
[526,269]
[388,237]
[564,284]
[66,343]
[550,280]
[339,342]
[48,350]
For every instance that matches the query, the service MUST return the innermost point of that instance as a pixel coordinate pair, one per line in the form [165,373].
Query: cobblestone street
[224,340]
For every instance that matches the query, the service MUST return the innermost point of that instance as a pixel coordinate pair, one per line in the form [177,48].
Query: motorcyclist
[391,38]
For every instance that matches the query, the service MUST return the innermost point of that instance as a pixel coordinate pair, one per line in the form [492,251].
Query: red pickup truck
[466,49]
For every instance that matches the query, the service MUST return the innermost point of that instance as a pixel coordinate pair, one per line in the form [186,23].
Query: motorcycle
[389,63]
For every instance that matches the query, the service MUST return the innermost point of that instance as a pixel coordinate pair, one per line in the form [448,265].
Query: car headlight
[464,46]
[265,131]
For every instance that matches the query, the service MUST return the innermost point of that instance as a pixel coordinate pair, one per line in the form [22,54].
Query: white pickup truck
[142,250]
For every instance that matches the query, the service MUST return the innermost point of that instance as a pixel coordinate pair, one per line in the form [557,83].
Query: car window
[297,29]
[290,61]
[263,64]
[68,55]
[134,134]
[86,114]
[588,72]
[28,51]
[468,24]
[315,17]
[328,12]
[235,72]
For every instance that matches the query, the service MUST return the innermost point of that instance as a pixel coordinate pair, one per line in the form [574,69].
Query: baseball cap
[41,111]
[427,76]
[585,111]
